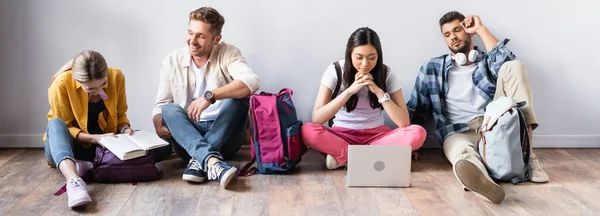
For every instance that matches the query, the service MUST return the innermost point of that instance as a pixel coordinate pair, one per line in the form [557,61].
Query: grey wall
[289,44]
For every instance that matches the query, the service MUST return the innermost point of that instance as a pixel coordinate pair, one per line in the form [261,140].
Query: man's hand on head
[472,24]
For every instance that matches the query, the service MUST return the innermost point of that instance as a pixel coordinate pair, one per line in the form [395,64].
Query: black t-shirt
[94,110]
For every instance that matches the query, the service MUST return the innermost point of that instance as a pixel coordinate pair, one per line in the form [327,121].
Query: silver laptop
[378,166]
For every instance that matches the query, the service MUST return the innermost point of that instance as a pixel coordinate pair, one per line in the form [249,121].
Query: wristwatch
[386,97]
[124,129]
[210,96]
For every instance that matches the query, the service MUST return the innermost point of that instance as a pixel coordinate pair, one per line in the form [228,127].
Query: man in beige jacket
[202,100]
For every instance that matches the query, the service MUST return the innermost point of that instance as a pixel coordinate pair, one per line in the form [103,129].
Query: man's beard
[201,54]
[202,51]
[464,49]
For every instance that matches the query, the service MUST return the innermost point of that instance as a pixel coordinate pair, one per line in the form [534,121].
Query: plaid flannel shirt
[431,88]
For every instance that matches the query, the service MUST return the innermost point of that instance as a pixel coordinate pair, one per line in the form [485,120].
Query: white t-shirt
[363,116]
[210,113]
[463,103]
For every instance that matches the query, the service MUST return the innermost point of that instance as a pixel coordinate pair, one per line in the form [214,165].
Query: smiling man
[455,88]
[202,105]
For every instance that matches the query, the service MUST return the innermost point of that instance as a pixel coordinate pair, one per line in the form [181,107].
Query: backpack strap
[61,191]
[248,170]
[525,146]
[336,91]
[286,91]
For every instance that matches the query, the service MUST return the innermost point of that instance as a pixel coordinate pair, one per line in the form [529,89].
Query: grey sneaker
[537,173]
[473,179]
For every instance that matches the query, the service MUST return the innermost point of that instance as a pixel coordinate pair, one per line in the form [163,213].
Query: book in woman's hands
[127,147]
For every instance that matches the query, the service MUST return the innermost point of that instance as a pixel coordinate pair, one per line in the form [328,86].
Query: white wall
[289,44]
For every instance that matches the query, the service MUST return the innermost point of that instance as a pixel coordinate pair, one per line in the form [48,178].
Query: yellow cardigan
[69,102]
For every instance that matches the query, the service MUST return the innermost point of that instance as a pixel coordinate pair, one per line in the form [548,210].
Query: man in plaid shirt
[455,92]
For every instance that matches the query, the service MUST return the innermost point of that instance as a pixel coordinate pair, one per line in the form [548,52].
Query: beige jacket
[177,81]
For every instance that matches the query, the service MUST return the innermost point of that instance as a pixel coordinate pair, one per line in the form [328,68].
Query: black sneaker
[222,172]
[193,172]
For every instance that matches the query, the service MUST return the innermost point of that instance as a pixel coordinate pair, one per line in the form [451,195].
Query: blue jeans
[61,145]
[222,137]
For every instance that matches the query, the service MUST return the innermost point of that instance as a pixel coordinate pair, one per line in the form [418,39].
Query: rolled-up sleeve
[239,70]
[498,56]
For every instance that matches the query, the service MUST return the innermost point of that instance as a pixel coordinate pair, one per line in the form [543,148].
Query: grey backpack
[504,141]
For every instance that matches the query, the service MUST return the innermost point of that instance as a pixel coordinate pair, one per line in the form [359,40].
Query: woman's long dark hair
[364,36]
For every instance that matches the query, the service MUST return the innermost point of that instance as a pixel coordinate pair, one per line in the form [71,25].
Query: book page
[146,140]
[119,145]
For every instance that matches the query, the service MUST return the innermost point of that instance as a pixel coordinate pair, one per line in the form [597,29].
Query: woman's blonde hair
[86,66]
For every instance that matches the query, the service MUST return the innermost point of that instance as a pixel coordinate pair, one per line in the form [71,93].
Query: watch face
[208,94]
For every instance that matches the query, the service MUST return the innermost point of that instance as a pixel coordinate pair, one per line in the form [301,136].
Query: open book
[126,147]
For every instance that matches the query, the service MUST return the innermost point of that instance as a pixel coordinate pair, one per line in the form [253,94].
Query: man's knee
[458,147]
[514,67]
[171,109]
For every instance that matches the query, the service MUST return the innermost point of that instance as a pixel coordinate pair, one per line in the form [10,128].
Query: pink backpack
[277,145]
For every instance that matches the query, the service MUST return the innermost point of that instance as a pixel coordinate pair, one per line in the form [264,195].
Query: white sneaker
[332,163]
[77,192]
[537,173]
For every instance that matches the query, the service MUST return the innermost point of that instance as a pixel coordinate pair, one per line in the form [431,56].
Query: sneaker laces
[195,165]
[533,160]
[75,185]
[215,171]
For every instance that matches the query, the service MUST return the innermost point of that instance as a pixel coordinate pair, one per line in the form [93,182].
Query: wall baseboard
[566,141]
[547,141]
[21,141]
[539,141]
